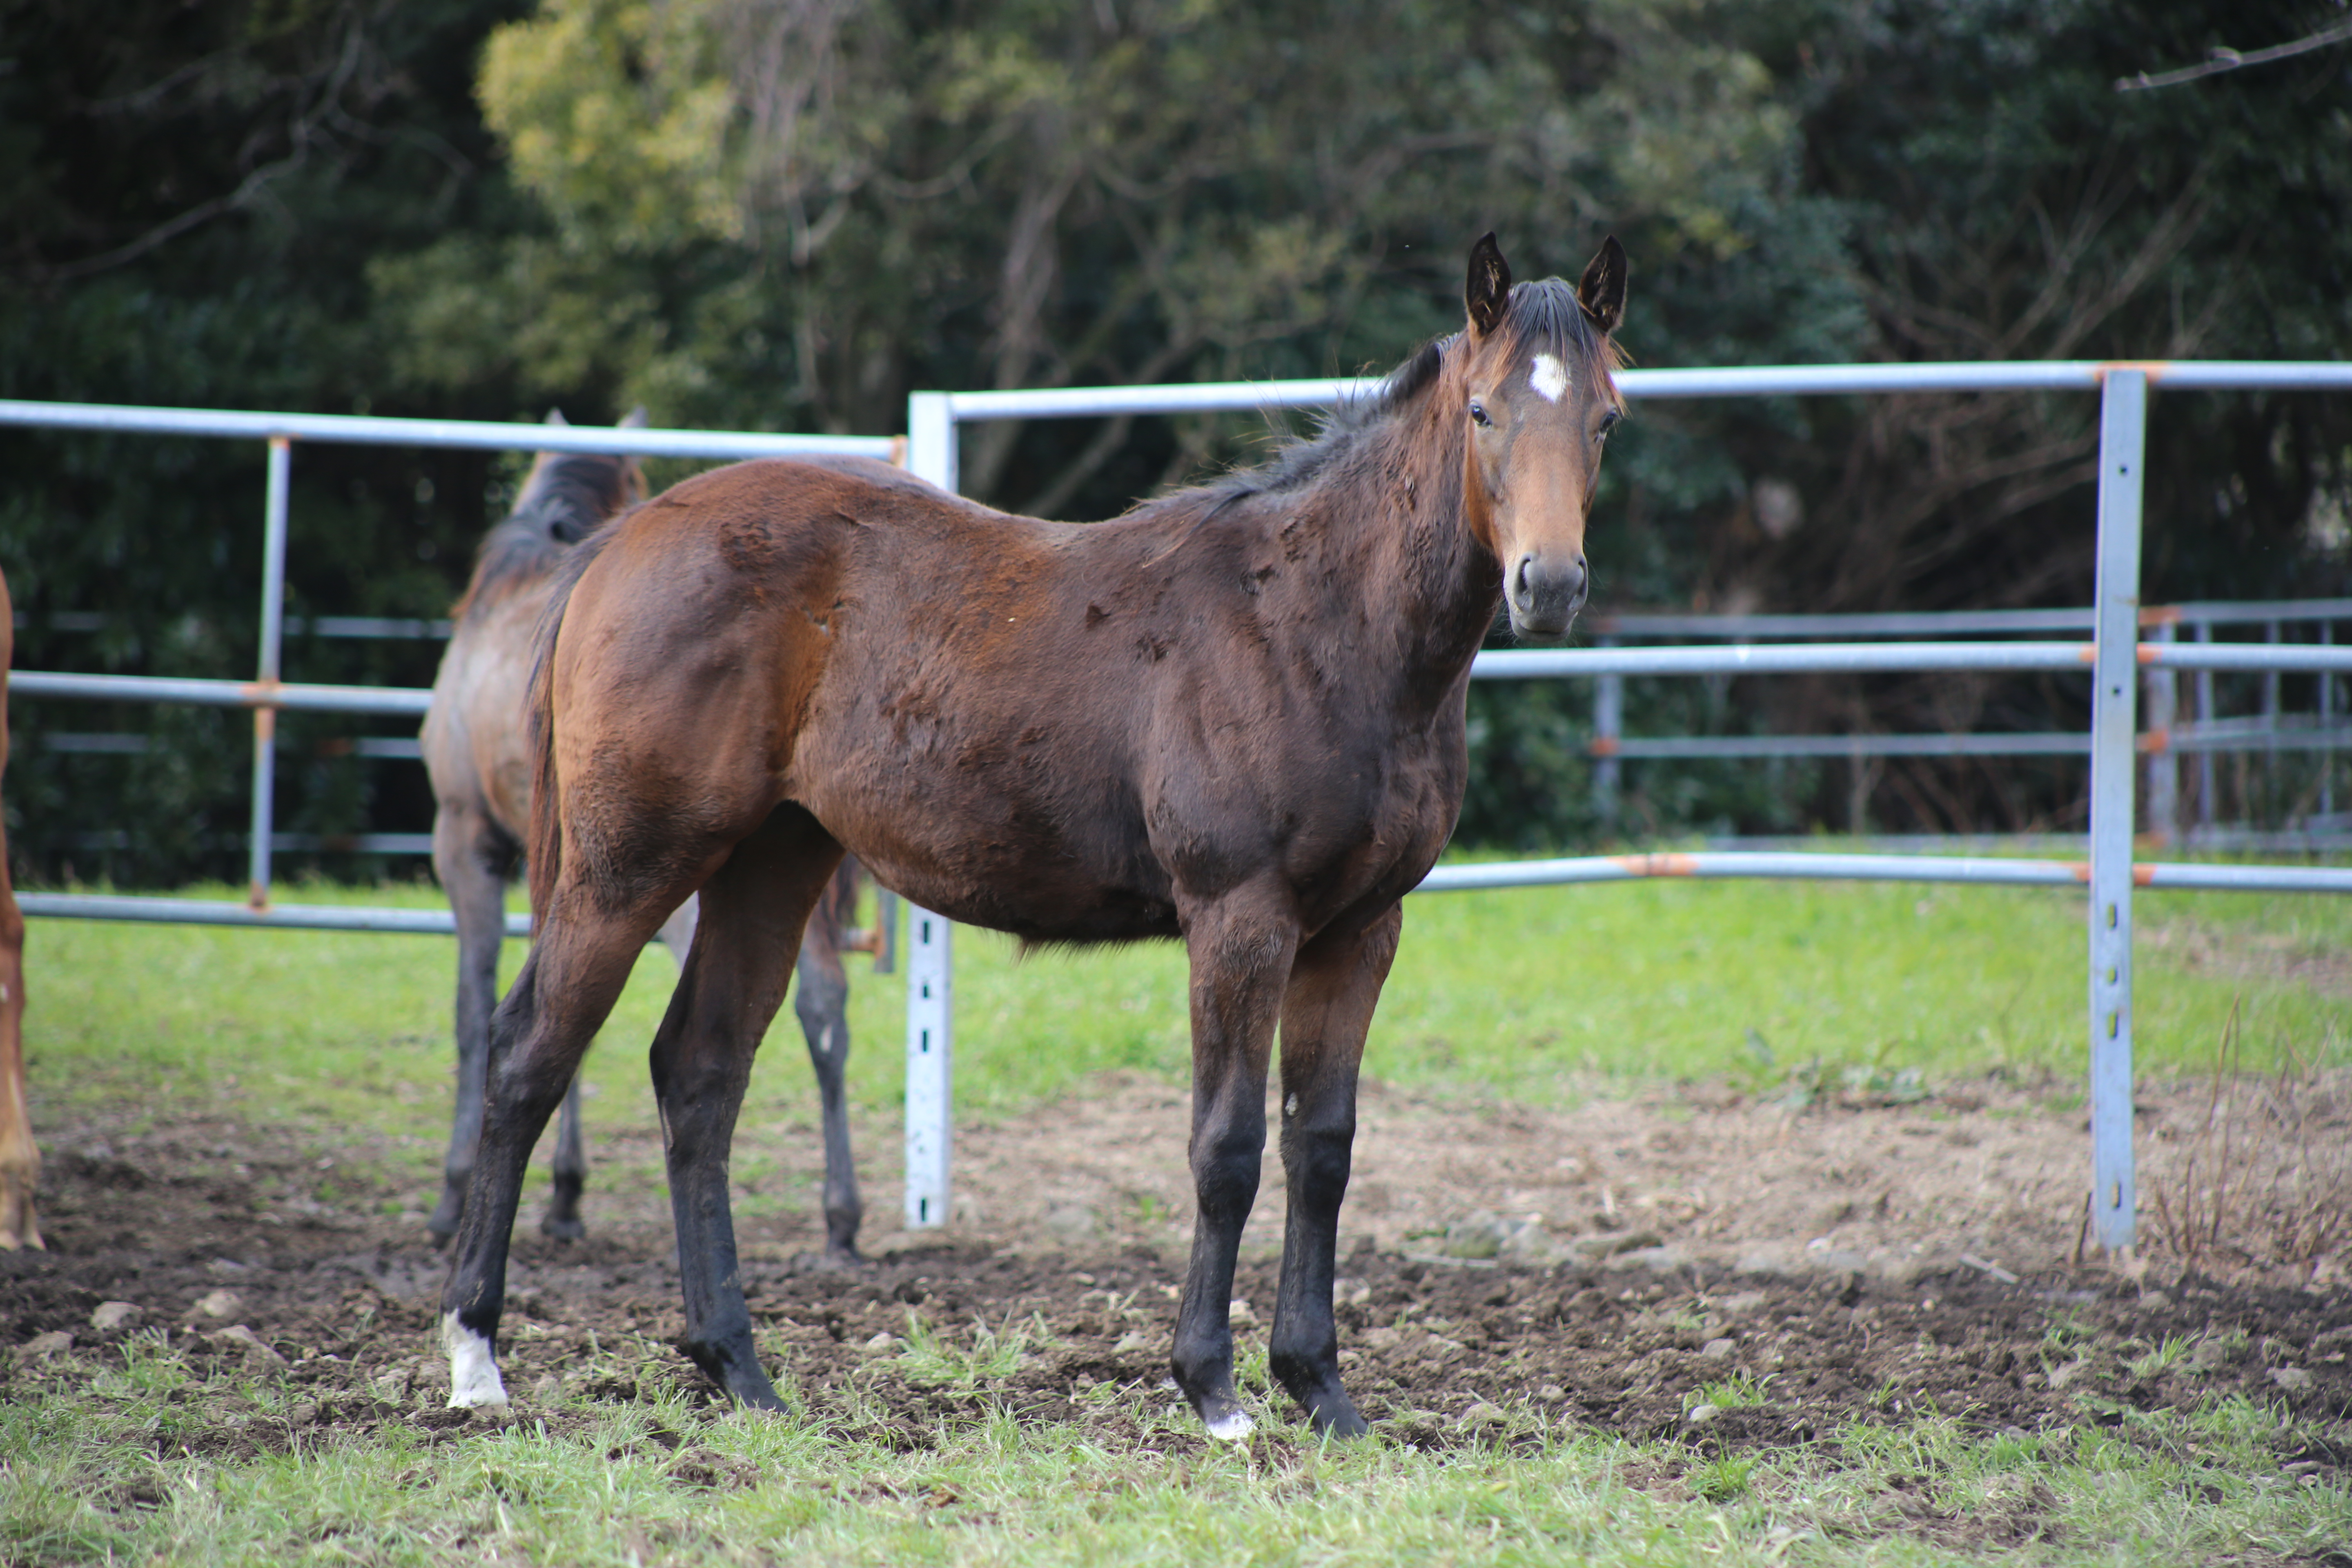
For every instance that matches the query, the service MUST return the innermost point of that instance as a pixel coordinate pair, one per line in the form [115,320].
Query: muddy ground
[1859,1253]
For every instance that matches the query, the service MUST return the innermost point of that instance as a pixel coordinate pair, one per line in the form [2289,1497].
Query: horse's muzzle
[1546,590]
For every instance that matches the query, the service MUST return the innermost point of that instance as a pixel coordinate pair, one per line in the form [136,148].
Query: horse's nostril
[1548,591]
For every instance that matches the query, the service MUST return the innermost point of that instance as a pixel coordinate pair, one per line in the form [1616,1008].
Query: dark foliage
[301,204]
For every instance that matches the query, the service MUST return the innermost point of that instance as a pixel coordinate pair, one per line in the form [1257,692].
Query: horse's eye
[1608,423]
[1478,413]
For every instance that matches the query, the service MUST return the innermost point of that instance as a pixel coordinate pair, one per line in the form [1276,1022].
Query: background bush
[788,214]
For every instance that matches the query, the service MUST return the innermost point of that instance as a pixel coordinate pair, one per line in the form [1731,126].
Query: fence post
[930,1020]
[2206,805]
[273,627]
[2327,747]
[2123,434]
[2163,762]
[1608,729]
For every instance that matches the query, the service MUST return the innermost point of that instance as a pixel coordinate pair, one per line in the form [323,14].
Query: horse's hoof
[829,1261]
[474,1381]
[561,1229]
[22,1230]
[1230,1425]
[1317,1388]
[1338,1418]
[735,1367]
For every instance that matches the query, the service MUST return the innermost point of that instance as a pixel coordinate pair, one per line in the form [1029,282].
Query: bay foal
[475,742]
[1233,715]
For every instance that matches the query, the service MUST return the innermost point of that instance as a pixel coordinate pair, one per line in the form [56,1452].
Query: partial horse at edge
[20,1157]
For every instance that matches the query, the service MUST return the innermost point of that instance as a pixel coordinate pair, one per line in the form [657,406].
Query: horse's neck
[1402,531]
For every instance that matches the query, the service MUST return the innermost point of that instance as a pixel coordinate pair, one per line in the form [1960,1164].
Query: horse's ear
[555,416]
[1488,292]
[1602,291]
[635,419]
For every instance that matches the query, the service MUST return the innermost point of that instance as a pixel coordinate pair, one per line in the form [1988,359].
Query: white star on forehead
[1549,378]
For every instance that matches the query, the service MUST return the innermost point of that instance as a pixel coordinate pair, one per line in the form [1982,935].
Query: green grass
[1531,993]
[596,1484]
[1528,993]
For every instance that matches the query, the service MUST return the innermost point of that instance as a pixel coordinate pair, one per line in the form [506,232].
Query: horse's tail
[544,847]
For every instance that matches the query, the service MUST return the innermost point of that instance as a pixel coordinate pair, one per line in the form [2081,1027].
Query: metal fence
[2113,659]
[2163,740]
[267,694]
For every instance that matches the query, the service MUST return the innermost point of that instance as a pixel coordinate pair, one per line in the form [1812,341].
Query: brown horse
[20,1157]
[476,744]
[1233,715]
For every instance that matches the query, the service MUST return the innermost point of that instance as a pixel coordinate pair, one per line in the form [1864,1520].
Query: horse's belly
[1012,870]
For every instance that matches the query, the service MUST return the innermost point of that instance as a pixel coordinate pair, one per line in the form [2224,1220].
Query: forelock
[1544,318]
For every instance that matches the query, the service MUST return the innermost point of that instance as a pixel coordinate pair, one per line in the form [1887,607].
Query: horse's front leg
[821,1005]
[472,858]
[1241,949]
[1324,1017]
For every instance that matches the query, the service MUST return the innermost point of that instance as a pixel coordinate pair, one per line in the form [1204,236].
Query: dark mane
[1544,317]
[567,495]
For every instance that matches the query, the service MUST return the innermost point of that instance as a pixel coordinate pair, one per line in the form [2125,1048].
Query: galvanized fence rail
[2164,739]
[267,694]
[2114,659]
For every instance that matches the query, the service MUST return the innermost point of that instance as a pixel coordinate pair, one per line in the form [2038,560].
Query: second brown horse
[477,750]
[1233,716]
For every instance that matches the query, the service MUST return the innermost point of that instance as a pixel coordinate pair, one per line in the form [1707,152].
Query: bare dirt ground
[1613,1266]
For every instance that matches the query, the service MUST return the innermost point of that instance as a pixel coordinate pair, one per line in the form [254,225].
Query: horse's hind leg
[538,1037]
[821,1005]
[561,1219]
[677,931]
[472,857]
[753,912]
[1325,1014]
[1240,951]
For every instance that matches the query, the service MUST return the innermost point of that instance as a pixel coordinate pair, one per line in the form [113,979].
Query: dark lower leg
[1241,959]
[1317,1143]
[526,1094]
[753,912]
[822,1003]
[1324,1017]
[698,1124]
[538,1035]
[1228,1143]
[561,1219]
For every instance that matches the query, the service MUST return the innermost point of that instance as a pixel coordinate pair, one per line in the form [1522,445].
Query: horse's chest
[1342,819]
